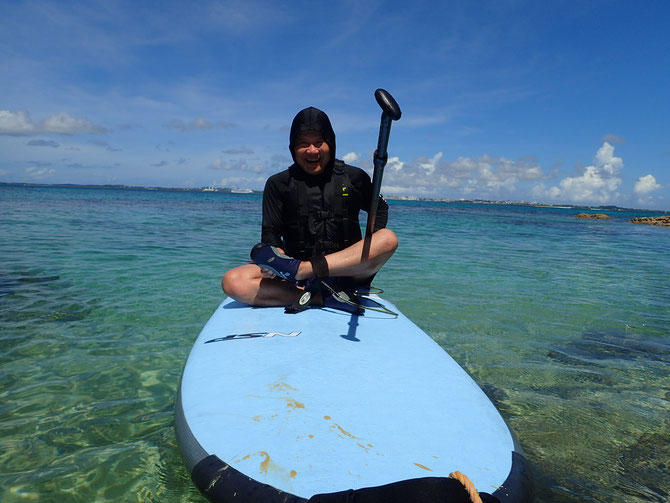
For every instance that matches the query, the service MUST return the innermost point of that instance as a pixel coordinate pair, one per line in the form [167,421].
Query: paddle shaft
[390,112]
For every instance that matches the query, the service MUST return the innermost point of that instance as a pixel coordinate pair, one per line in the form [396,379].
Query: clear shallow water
[564,322]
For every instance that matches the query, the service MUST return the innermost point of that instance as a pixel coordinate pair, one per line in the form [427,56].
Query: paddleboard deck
[323,405]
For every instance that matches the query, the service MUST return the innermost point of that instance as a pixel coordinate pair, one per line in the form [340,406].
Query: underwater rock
[562,357]
[646,464]
[581,370]
[598,216]
[664,221]
[621,344]
[614,344]
[73,312]
[495,394]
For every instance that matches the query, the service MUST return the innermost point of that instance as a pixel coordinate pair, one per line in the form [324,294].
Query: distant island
[134,187]
[228,190]
[533,204]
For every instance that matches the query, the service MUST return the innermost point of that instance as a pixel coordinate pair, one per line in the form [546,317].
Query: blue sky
[556,101]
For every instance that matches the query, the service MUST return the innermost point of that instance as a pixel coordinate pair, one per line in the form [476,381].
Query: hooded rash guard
[311,215]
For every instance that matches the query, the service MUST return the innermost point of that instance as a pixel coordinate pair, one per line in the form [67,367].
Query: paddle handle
[390,112]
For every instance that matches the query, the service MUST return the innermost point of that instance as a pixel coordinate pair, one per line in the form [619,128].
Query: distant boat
[209,189]
[241,191]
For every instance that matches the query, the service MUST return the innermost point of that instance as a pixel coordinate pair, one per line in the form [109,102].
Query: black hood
[313,119]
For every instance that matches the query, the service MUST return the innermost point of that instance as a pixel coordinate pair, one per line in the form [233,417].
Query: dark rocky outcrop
[664,221]
[599,216]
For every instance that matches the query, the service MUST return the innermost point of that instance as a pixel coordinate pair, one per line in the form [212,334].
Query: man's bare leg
[360,260]
[251,285]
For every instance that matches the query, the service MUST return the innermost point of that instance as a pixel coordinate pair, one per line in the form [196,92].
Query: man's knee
[387,241]
[233,283]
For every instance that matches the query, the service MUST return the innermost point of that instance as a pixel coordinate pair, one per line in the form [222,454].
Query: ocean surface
[564,322]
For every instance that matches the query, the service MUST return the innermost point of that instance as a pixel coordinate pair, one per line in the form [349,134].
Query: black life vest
[325,216]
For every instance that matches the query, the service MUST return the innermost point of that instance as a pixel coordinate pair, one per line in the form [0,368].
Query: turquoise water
[564,322]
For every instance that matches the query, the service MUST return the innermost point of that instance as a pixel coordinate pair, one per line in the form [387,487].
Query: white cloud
[20,124]
[43,143]
[606,159]
[646,184]
[395,164]
[475,177]
[63,123]
[37,172]
[219,163]
[598,183]
[240,182]
[238,151]
[237,165]
[540,192]
[16,123]
[614,138]
[403,190]
[351,157]
[107,146]
[199,124]
[429,164]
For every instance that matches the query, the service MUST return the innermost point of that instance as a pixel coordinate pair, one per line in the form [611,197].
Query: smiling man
[310,225]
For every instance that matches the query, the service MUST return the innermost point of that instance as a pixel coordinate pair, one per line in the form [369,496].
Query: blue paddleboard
[328,406]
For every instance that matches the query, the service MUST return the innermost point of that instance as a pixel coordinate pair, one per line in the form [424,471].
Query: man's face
[312,153]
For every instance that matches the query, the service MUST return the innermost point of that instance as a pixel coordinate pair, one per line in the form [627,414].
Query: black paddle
[390,112]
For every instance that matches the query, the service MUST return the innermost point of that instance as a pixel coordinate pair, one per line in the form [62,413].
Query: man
[310,224]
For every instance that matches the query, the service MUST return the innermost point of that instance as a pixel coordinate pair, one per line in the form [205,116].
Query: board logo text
[252,335]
